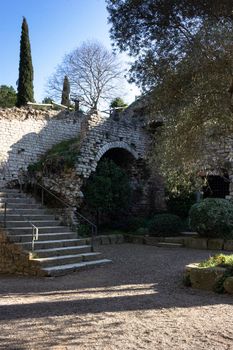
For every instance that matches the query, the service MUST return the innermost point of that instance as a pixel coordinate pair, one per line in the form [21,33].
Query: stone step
[169,245]
[66,259]
[64,269]
[60,243]
[37,223]
[14,217]
[24,205]
[69,250]
[44,229]
[17,200]
[189,234]
[178,239]
[25,211]
[42,237]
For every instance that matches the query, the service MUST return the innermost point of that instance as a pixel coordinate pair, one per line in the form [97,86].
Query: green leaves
[25,81]
[7,96]
[108,189]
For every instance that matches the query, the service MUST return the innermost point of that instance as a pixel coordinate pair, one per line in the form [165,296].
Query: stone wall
[26,134]
[13,260]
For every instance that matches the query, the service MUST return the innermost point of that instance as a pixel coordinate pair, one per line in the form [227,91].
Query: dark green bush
[165,225]
[212,217]
[133,224]
[180,204]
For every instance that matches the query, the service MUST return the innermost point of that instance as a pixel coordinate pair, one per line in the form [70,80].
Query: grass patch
[219,260]
[60,157]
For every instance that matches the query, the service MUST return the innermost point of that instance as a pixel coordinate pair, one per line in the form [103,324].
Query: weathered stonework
[26,134]
[13,260]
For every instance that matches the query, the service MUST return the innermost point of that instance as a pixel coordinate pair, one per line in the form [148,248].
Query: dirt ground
[138,302]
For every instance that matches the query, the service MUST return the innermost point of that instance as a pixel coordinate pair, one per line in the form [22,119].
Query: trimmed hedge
[212,217]
[165,225]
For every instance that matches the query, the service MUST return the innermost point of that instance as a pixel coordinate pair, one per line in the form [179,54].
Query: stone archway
[112,145]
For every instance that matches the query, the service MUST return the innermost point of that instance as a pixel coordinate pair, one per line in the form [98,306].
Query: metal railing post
[42,196]
[4,223]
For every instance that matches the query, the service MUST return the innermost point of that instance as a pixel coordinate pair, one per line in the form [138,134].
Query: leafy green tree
[25,81]
[65,98]
[118,102]
[183,58]
[108,190]
[8,96]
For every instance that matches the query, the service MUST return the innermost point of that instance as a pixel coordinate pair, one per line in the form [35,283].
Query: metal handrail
[35,229]
[66,204]
[4,215]
[94,229]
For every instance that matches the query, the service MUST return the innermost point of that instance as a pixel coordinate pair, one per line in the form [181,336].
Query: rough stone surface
[228,285]
[204,278]
[26,134]
[215,244]
[228,245]
[196,243]
[138,302]
[13,260]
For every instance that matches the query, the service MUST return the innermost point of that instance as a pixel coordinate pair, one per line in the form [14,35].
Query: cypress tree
[65,97]
[25,81]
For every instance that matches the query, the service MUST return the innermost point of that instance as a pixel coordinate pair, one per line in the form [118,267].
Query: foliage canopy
[108,189]
[8,96]
[183,58]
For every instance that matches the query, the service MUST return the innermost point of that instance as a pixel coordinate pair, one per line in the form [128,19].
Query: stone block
[152,240]
[215,244]
[228,285]
[204,278]
[113,239]
[196,243]
[120,239]
[228,245]
[105,240]
[138,239]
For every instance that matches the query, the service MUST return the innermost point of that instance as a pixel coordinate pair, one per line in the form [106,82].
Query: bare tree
[94,74]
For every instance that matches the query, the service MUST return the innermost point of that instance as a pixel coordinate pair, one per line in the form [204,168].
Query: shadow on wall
[32,145]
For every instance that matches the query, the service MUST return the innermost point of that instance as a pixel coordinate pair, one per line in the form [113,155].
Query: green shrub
[142,231]
[165,225]
[212,217]
[133,224]
[180,204]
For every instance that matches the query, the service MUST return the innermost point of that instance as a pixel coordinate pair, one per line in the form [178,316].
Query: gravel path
[138,302]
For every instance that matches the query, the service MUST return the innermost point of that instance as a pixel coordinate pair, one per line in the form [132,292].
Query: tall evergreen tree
[25,81]
[65,98]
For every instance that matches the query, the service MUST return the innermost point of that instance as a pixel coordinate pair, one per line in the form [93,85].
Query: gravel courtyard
[138,302]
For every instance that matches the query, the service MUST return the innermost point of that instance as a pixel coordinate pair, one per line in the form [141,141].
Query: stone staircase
[58,251]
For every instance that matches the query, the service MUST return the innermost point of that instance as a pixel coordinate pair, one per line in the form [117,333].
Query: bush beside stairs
[58,251]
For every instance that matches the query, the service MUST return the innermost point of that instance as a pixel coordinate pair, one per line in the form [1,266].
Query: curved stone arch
[116,144]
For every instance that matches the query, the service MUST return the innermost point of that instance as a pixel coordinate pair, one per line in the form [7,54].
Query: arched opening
[117,170]
[216,186]
[121,157]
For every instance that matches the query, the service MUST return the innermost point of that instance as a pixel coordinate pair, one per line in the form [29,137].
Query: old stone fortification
[26,134]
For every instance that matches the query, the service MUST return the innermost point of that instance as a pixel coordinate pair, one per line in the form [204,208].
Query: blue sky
[56,27]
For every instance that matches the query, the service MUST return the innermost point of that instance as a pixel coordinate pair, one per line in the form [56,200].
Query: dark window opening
[217,186]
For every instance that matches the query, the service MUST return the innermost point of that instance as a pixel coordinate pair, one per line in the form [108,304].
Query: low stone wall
[208,278]
[13,260]
[188,242]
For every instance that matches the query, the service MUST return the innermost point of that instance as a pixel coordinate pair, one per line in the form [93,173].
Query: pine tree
[65,98]
[25,81]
